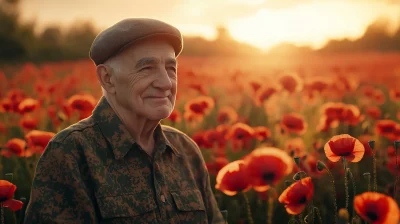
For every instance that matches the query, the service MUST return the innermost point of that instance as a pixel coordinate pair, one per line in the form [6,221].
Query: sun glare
[309,24]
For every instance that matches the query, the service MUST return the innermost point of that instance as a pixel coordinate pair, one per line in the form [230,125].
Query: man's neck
[140,128]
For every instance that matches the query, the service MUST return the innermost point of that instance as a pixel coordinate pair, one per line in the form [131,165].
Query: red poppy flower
[291,82]
[376,208]
[16,96]
[217,164]
[262,133]
[344,146]
[263,94]
[52,111]
[297,196]
[227,115]
[386,128]
[201,105]
[232,178]
[6,105]
[192,117]
[197,87]
[352,115]
[175,116]
[7,191]
[295,146]
[294,123]
[325,123]
[16,146]
[255,86]
[28,105]
[38,140]
[29,123]
[214,137]
[267,166]
[368,91]
[223,129]
[240,131]
[379,96]
[84,103]
[317,84]
[334,111]
[200,139]
[374,112]
[394,95]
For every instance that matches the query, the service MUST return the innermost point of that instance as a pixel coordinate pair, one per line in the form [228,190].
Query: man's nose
[163,80]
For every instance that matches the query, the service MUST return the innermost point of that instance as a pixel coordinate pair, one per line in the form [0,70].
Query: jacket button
[163,198]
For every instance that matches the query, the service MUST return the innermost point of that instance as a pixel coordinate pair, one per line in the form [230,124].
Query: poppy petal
[330,155]
[295,209]
[12,204]
[358,151]
[7,189]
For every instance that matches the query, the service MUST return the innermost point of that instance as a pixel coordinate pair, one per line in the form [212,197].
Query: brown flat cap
[114,39]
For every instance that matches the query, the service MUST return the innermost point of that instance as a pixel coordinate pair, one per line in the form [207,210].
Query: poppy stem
[249,216]
[374,164]
[310,217]
[346,185]
[293,220]
[353,214]
[301,218]
[318,215]
[333,193]
[2,213]
[396,146]
[270,206]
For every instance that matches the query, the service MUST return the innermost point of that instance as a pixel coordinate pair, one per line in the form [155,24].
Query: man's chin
[159,114]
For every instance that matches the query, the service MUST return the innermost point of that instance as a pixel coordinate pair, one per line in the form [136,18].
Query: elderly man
[120,165]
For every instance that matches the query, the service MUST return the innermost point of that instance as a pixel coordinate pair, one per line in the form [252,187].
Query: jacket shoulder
[174,133]
[73,130]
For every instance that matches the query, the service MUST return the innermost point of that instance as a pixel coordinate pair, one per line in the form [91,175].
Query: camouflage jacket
[94,172]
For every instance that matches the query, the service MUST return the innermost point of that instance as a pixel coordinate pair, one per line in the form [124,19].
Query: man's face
[146,84]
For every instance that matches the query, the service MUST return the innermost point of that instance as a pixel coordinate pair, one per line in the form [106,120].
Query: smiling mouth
[157,97]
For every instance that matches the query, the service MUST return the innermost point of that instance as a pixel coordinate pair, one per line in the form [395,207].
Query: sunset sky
[262,23]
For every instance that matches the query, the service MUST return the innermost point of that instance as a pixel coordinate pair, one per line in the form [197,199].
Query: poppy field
[286,140]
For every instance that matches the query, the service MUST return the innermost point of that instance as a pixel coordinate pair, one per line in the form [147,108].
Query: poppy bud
[321,166]
[371,144]
[298,175]
[367,176]
[9,177]
[297,160]
[344,215]
[396,144]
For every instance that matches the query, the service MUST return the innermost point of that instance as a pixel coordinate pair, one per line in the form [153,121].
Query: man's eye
[172,69]
[146,68]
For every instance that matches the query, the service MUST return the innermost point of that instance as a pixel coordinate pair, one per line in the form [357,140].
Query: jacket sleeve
[59,193]
[213,212]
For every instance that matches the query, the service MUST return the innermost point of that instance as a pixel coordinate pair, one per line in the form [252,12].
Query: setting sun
[309,24]
[256,22]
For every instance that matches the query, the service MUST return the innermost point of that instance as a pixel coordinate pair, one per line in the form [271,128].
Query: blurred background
[289,74]
[51,30]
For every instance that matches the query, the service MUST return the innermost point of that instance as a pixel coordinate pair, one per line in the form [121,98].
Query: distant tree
[375,38]
[11,47]
[79,38]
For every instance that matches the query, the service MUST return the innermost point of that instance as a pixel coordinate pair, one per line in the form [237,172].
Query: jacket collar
[118,135]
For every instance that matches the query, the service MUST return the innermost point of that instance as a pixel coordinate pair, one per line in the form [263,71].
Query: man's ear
[104,74]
